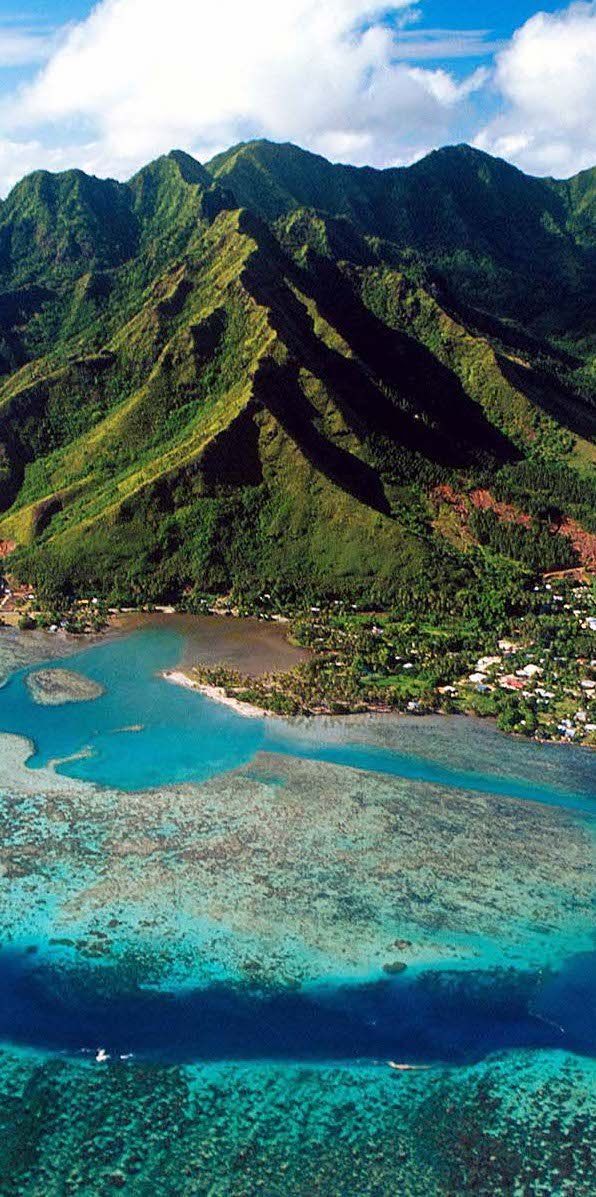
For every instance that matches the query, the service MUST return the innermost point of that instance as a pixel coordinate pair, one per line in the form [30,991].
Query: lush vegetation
[528,661]
[537,546]
[253,377]
[511,246]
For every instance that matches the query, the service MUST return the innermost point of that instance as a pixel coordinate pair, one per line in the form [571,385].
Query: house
[486,662]
[566,728]
[511,683]
[529,671]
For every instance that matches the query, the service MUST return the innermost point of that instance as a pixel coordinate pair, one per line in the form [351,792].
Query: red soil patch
[446,494]
[7,547]
[482,500]
[583,542]
[507,512]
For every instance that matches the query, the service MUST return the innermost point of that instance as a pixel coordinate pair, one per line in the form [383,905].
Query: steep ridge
[500,238]
[230,396]
[77,253]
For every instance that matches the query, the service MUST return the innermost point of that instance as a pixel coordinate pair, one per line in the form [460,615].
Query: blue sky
[107,86]
[498,19]
[500,16]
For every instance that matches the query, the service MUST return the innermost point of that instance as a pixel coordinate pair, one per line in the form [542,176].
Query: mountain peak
[61,220]
[463,155]
[190,168]
[176,162]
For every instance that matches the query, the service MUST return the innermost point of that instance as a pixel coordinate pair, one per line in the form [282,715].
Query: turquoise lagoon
[250,917]
[146,732]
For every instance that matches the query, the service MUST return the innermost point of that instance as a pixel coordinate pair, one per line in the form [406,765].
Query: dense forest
[267,373]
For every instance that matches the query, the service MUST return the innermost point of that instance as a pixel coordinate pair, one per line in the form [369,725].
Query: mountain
[498,239]
[270,371]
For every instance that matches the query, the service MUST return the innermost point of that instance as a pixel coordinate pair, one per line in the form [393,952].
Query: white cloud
[420,44]
[140,76]
[22,47]
[546,77]
[343,77]
[19,158]
[444,87]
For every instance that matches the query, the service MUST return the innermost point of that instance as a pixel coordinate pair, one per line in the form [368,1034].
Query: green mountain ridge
[258,372]
[475,218]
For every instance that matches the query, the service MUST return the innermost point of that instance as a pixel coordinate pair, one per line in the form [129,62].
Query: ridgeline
[274,374]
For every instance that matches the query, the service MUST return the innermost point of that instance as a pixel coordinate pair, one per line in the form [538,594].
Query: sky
[107,86]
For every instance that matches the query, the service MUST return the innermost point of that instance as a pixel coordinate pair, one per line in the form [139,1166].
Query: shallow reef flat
[287,871]
[461,743]
[20,649]
[55,687]
[522,1123]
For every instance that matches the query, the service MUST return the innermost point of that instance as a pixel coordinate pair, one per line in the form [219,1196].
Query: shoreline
[250,711]
[125,622]
[216,693]
[179,677]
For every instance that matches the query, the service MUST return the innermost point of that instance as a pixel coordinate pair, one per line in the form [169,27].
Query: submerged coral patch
[54,687]
[520,1123]
[334,919]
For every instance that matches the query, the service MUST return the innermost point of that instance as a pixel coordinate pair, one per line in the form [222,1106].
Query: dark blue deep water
[437,1017]
[181,736]
[186,737]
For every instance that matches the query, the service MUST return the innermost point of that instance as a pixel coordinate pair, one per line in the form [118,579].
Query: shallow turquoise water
[182,736]
[87,958]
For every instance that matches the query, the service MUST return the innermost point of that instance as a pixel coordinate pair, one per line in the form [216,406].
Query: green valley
[273,374]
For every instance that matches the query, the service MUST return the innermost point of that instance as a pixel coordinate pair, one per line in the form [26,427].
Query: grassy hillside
[260,374]
[496,238]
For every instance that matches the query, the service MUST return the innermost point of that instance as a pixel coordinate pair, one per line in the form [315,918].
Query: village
[538,680]
[544,687]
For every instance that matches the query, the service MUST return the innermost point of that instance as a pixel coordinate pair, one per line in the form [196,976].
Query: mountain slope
[222,390]
[499,239]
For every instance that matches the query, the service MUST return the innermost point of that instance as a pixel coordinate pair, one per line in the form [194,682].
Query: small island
[55,687]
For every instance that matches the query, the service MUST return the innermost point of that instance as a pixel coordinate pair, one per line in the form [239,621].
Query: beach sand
[216,693]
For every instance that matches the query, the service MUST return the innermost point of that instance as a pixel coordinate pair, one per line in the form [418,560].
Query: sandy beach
[216,693]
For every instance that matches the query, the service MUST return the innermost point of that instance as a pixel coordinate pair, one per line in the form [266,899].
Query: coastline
[49,646]
[376,714]
[216,694]
[251,711]
[371,716]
